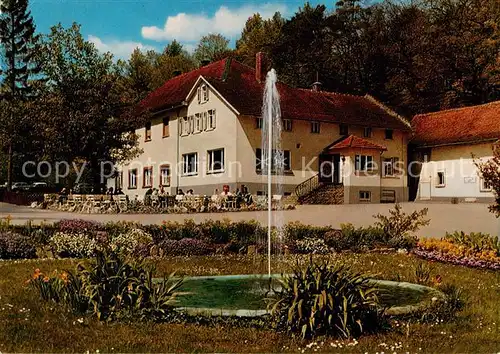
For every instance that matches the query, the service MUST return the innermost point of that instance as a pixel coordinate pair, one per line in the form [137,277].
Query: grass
[29,325]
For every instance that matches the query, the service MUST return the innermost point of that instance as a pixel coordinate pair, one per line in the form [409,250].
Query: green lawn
[27,324]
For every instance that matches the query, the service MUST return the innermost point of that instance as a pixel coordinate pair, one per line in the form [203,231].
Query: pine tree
[17,37]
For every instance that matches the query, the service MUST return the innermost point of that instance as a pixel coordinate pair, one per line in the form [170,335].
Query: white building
[448,143]
[205,132]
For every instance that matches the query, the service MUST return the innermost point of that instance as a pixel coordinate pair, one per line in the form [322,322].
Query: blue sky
[119,26]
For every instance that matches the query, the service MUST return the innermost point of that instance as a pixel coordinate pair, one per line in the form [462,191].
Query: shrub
[355,239]
[322,299]
[111,287]
[130,242]
[118,287]
[400,227]
[476,242]
[311,245]
[16,246]
[73,245]
[216,231]
[245,233]
[185,247]
[79,226]
[294,231]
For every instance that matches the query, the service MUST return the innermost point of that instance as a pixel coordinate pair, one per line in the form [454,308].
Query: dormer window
[203,94]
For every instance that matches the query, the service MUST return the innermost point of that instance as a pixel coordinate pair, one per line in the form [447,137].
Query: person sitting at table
[190,192]
[225,191]
[110,193]
[63,196]
[180,192]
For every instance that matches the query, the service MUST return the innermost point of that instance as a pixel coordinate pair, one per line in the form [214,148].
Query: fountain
[272,161]
[243,295]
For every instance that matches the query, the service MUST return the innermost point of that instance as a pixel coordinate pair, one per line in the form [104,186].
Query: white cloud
[120,49]
[191,27]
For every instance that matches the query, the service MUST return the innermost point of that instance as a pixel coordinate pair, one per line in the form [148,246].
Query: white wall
[461,177]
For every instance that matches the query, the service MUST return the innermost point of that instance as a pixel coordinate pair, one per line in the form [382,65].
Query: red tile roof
[352,141]
[461,125]
[237,84]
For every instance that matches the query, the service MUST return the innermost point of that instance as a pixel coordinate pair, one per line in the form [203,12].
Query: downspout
[380,177]
[177,172]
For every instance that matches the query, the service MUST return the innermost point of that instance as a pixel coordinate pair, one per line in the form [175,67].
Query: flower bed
[458,249]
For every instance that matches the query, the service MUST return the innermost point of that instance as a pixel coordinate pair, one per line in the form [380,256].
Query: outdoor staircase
[312,191]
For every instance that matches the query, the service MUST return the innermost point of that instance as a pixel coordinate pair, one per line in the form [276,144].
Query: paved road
[444,217]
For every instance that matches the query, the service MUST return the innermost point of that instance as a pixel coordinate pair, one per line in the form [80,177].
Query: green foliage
[80,245]
[111,287]
[444,310]
[130,242]
[475,241]
[423,273]
[356,239]
[118,287]
[400,227]
[322,299]
[211,47]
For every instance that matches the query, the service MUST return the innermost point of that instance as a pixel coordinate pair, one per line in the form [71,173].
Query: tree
[490,172]
[211,47]
[17,36]
[139,72]
[258,35]
[173,49]
[86,110]
[300,53]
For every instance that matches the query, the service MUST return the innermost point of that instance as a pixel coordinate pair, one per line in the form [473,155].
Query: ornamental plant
[16,246]
[79,245]
[400,227]
[490,172]
[324,299]
[131,241]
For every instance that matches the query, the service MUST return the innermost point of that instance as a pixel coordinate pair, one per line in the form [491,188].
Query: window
[485,186]
[390,166]
[198,123]
[166,130]
[147,177]
[287,166]
[365,196]
[203,94]
[186,125]
[367,132]
[132,178]
[441,182]
[344,129]
[286,160]
[211,119]
[259,123]
[165,175]
[216,160]
[363,163]
[388,134]
[190,164]
[315,127]
[147,135]
[287,125]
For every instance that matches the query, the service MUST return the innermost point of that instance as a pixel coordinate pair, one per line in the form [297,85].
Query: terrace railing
[307,186]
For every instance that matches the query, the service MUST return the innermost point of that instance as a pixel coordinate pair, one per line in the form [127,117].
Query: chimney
[316,86]
[205,62]
[177,73]
[260,67]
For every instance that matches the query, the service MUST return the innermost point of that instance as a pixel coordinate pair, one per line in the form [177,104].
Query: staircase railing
[307,186]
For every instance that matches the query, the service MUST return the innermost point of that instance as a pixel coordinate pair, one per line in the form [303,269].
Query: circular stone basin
[243,295]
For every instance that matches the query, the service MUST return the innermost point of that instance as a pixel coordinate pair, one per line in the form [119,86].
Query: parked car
[20,186]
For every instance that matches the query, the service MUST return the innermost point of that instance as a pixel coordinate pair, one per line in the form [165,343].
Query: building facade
[448,144]
[205,132]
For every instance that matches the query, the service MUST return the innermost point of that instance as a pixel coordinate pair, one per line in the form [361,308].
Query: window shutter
[214,117]
[204,122]
[199,95]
